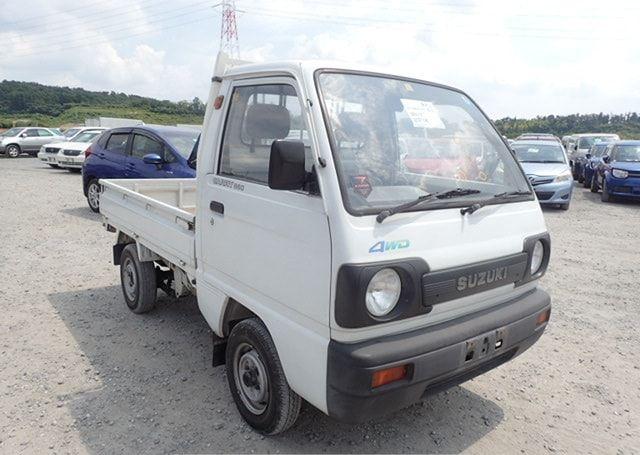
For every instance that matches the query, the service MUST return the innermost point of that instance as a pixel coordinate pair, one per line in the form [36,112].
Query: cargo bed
[158,213]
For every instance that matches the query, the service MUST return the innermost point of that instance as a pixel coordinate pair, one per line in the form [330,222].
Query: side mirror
[606,159]
[153,158]
[23,135]
[575,147]
[588,156]
[286,165]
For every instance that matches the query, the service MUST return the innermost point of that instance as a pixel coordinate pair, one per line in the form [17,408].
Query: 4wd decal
[389,245]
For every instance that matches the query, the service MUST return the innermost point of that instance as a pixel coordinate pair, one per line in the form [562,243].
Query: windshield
[182,140]
[590,141]
[627,153]
[86,136]
[395,140]
[71,132]
[11,132]
[538,153]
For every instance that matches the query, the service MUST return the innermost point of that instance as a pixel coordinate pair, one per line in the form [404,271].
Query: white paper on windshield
[423,114]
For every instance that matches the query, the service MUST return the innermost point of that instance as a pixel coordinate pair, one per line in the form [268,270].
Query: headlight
[536,257]
[383,292]
[619,173]
[566,175]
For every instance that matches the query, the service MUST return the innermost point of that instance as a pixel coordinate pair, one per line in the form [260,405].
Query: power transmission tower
[229,30]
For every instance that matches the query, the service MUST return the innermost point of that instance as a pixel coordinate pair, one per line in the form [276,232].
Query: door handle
[217,207]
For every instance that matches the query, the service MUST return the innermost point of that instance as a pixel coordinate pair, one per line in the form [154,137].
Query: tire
[585,183]
[55,166]
[573,172]
[565,206]
[605,196]
[13,151]
[594,183]
[93,195]
[262,394]
[138,280]
[74,170]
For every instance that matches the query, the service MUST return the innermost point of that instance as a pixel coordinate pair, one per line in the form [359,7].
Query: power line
[109,29]
[120,38]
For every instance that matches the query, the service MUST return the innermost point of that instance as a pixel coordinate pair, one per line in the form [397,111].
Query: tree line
[626,125]
[28,98]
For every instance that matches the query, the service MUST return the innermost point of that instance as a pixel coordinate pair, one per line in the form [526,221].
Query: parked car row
[601,162]
[70,154]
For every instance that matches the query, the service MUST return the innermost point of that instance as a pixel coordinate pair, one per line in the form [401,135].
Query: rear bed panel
[158,213]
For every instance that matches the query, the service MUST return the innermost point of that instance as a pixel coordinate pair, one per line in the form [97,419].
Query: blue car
[593,159]
[548,170]
[142,152]
[619,173]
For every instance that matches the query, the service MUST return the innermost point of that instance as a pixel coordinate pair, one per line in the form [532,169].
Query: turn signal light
[543,317]
[383,377]
[87,152]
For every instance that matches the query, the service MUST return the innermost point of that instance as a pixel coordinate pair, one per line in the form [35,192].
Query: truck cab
[328,270]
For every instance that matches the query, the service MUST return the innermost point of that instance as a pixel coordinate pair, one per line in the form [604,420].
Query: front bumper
[48,157]
[71,161]
[554,193]
[437,357]
[629,187]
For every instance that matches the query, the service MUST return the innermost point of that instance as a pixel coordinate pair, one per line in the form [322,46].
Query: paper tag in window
[423,114]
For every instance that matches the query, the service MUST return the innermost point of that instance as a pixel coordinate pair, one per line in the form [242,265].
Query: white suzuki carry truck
[327,268]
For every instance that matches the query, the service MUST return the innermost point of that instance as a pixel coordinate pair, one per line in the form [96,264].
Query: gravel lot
[80,373]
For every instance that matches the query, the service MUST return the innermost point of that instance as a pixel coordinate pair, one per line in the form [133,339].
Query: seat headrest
[267,121]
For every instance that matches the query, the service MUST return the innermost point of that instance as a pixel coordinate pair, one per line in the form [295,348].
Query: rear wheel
[138,281]
[257,381]
[13,151]
[93,195]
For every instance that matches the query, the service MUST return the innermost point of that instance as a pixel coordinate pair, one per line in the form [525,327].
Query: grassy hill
[29,103]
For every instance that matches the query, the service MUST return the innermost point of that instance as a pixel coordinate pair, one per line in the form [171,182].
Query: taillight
[87,152]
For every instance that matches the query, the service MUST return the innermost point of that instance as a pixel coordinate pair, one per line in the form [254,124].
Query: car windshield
[394,140]
[11,132]
[538,153]
[589,141]
[182,140]
[598,150]
[627,153]
[86,136]
[71,132]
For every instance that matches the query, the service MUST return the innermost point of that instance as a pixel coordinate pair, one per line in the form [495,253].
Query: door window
[259,115]
[44,133]
[117,142]
[144,145]
[31,133]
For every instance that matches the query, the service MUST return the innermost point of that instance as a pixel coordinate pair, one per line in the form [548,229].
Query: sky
[515,58]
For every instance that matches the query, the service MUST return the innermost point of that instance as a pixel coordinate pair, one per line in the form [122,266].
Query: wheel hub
[129,281]
[251,379]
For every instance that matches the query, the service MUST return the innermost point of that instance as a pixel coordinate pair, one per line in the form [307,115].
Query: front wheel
[594,183]
[13,151]
[138,280]
[605,196]
[257,381]
[93,195]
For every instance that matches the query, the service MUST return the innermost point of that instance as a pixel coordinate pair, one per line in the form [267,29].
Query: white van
[328,271]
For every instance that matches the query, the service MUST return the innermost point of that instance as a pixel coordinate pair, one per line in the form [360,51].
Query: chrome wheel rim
[13,151]
[129,279]
[251,379]
[93,194]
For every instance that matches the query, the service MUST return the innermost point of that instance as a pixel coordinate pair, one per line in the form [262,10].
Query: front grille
[71,152]
[51,150]
[536,180]
[634,174]
[544,195]
[622,189]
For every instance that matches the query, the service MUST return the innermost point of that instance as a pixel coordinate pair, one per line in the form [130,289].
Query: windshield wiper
[500,196]
[425,197]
